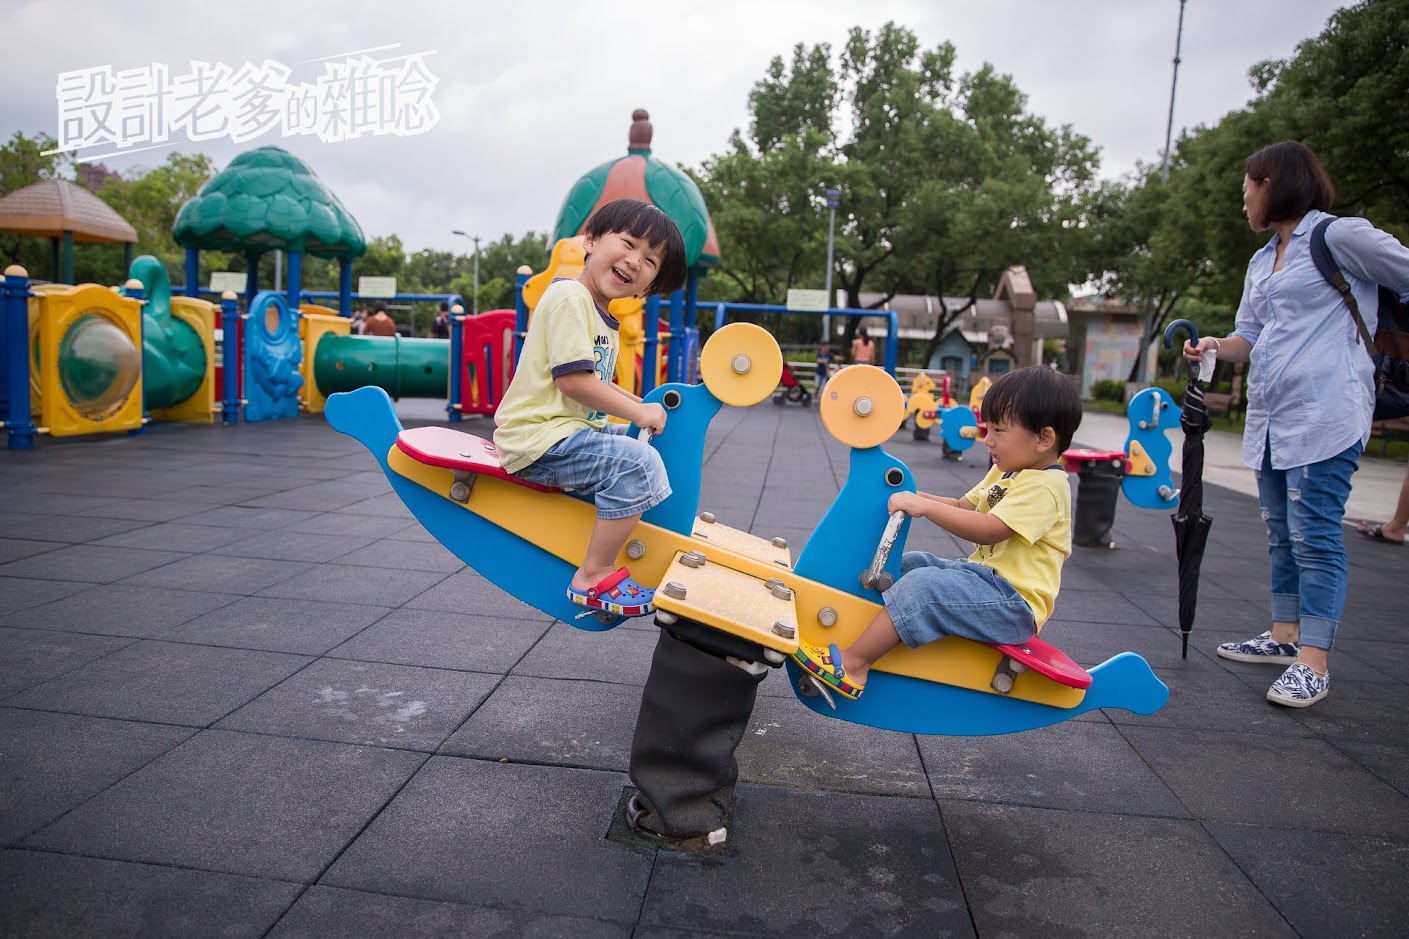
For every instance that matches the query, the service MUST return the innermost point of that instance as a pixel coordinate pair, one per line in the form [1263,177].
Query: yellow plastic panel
[713,534]
[199,408]
[59,309]
[862,406]
[311,328]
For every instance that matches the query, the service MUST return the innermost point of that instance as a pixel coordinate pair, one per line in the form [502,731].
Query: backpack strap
[1326,263]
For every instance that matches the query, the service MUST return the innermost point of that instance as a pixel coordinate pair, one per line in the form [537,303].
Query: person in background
[379,323]
[824,368]
[1310,397]
[440,327]
[1392,531]
[359,321]
[863,348]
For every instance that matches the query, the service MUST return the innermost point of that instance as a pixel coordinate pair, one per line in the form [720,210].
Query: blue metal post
[251,278]
[193,272]
[295,271]
[231,361]
[457,352]
[521,320]
[14,357]
[892,340]
[345,287]
[140,295]
[650,358]
[677,335]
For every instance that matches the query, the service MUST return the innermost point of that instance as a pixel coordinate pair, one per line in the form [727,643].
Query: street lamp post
[833,200]
[475,298]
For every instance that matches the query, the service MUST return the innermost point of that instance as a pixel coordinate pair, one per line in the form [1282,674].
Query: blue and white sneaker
[1299,687]
[1260,649]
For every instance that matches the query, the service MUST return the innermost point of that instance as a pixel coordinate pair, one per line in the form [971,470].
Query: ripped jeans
[1303,507]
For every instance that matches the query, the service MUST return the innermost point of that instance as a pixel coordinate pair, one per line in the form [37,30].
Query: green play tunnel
[403,368]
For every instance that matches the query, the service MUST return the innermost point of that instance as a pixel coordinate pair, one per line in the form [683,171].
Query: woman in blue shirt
[1310,396]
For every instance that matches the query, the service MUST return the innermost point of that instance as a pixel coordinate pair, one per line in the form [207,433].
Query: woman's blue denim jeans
[1304,507]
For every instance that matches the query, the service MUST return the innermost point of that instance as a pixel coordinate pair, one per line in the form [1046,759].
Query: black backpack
[1389,348]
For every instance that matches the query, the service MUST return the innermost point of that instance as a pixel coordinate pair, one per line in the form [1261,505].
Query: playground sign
[376,287]
[807,301]
[221,281]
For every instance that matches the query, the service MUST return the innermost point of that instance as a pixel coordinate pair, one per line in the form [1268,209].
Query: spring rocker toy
[730,604]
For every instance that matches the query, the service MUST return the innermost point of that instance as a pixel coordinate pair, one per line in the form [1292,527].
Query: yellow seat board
[730,601]
[742,542]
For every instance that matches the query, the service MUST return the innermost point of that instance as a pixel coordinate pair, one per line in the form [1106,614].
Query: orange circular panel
[862,406]
[741,364]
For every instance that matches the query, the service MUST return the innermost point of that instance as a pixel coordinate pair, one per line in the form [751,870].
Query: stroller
[793,390]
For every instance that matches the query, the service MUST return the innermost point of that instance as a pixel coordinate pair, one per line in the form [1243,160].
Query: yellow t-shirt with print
[568,333]
[1036,505]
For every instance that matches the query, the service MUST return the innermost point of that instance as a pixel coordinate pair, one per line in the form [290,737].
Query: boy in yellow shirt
[1019,519]
[552,424]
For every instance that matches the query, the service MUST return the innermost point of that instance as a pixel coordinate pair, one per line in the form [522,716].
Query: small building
[990,338]
[1105,340]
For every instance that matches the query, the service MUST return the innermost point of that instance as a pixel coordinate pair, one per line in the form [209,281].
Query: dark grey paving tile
[44,894]
[119,610]
[148,510]
[1203,695]
[443,838]
[89,563]
[350,526]
[1099,606]
[173,536]
[785,744]
[279,624]
[238,516]
[1075,765]
[1360,711]
[405,556]
[412,532]
[437,639]
[1324,884]
[334,913]
[383,506]
[285,545]
[74,530]
[31,656]
[19,593]
[367,703]
[238,803]
[1131,877]
[466,591]
[616,655]
[541,720]
[1389,763]
[1391,658]
[323,497]
[1273,781]
[12,549]
[166,682]
[876,867]
[341,583]
[51,502]
[50,763]
[210,494]
[221,574]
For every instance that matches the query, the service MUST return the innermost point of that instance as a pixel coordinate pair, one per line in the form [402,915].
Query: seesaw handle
[871,580]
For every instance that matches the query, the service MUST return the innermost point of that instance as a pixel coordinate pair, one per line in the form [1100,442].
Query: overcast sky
[533,93]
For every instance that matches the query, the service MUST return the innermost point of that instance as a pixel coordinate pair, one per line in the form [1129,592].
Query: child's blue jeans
[623,476]
[937,597]
[1304,507]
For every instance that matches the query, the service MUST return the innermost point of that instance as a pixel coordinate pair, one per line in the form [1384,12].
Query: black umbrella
[1191,525]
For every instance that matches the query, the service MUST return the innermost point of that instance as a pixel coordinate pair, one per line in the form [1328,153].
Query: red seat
[1046,659]
[457,450]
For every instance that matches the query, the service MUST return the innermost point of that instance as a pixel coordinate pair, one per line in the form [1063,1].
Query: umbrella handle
[1169,332]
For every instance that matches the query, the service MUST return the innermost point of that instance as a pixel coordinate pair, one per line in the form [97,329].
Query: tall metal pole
[1169,125]
[475,300]
[833,200]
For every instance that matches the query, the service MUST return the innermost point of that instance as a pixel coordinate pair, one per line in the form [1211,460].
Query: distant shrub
[1108,389]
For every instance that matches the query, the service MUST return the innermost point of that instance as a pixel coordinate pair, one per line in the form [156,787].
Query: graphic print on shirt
[604,356]
[995,495]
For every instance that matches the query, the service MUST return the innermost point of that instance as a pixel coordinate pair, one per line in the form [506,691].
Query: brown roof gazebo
[64,213]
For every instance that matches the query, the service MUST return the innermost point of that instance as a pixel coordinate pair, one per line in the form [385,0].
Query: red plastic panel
[1046,659]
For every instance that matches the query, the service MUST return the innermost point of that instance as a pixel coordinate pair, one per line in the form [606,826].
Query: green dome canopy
[638,175]
[266,199]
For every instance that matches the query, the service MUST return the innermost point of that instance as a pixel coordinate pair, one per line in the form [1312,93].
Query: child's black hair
[1035,397]
[648,223]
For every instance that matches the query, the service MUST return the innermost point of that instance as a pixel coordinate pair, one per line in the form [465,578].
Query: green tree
[23,163]
[150,200]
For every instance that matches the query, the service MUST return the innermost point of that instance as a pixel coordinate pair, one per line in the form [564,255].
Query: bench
[1218,403]
[1397,429]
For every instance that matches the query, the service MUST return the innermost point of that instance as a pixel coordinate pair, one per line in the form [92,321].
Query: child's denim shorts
[937,597]
[623,476]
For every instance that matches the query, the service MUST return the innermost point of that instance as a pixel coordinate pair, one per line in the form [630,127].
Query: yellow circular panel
[862,406]
[741,364]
